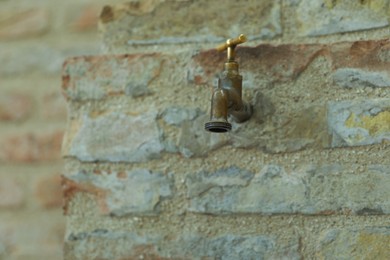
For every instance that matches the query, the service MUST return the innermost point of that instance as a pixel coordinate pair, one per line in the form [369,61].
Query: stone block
[359,122]
[139,191]
[353,243]
[309,189]
[271,191]
[177,115]
[355,78]
[114,137]
[188,22]
[93,78]
[104,244]
[318,17]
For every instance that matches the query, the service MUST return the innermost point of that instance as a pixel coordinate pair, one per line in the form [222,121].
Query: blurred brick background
[35,38]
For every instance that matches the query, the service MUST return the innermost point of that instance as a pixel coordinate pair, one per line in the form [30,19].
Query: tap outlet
[227,96]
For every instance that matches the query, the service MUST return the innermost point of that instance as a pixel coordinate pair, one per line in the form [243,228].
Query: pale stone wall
[306,177]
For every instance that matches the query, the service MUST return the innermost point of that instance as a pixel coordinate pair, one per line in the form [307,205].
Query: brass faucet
[227,96]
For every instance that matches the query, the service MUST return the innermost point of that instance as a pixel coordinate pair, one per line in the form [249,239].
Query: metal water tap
[227,96]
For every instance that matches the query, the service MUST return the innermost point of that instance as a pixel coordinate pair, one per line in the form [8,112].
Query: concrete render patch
[116,137]
[309,189]
[130,192]
[359,122]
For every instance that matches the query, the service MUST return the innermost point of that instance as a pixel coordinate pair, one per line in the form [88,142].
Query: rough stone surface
[92,78]
[177,115]
[122,193]
[161,27]
[307,190]
[328,17]
[194,141]
[188,246]
[363,122]
[353,78]
[273,175]
[359,242]
[114,137]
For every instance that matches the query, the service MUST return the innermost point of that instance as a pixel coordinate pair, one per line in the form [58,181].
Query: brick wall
[35,39]
[307,177]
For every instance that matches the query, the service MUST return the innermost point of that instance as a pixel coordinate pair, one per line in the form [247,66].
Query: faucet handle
[232,42]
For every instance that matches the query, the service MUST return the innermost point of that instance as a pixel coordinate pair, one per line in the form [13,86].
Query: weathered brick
[48,191]
[114,137]
[31,147]
[165,24]
[318,17]
[32,57]
[53,106]
[44,239]
[92,78]
[354,243]
[15,107]
[330,189]
[359,122]
[100,244]
[12,193]
[16,24]
[121,193]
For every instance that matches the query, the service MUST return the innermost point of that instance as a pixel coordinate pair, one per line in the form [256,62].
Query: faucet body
[227,98]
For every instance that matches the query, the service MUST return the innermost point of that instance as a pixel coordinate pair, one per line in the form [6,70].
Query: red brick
[48,191]
[32,147]
[12,194]
[23,23]
[15,107]
[53,106]
[37,236]
[87,18]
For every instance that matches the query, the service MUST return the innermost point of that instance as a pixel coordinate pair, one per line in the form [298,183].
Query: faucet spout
[219,112]
[227,96]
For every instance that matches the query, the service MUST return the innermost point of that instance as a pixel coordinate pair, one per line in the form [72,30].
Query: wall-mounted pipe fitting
[227,96]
